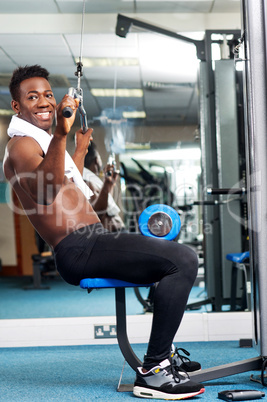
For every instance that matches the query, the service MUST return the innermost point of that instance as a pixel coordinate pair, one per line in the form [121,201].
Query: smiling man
[55,198]
[40,182]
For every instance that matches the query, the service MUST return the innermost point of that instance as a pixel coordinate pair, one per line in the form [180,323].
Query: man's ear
[15,106]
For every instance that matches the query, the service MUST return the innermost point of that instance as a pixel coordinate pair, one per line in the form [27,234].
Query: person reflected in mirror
[102,199]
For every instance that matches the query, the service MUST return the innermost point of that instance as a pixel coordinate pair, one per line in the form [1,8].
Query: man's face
[36,104]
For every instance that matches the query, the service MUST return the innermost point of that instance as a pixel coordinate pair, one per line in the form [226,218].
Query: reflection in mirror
[162,174]
[169,174]
[154,134]
[151,124]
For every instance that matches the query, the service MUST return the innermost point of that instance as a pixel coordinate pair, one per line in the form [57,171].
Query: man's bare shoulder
[22,143]
[20,149]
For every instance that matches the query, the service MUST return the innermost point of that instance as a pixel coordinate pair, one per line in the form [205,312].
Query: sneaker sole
[143,392]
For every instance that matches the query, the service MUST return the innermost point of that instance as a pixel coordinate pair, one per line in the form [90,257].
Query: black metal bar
[122,336]
[210,176]
[226,370]
[215,202]
[124,23]
[226,191]
[233,287]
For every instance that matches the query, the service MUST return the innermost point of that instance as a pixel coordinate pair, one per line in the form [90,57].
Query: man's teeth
[43,114]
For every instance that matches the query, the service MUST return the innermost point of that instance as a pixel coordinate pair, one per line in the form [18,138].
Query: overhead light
[134,115]
[137,146]
[89,62]
[169,154]
[152,85]
[6,112]
[119,93]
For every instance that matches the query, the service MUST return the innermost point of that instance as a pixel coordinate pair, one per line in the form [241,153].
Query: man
[102,200]
[51,191]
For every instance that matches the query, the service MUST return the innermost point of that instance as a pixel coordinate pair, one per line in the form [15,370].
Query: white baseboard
[195,327]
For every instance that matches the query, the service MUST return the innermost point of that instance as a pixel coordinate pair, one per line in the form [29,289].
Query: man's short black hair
[23,73]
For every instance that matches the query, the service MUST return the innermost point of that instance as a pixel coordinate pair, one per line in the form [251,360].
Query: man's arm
[112,223]
[101,197]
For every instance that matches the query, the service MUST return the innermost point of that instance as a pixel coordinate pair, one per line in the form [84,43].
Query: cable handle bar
[68,112]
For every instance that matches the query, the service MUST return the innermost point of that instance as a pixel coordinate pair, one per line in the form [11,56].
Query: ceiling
[165,69]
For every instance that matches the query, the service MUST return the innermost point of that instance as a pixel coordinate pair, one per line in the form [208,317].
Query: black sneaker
[182,362]
[164,382]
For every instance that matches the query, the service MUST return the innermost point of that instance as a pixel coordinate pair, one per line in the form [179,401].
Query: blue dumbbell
[161,221]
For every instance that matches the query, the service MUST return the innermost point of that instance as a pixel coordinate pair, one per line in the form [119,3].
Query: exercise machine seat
[238,257]
[103,283]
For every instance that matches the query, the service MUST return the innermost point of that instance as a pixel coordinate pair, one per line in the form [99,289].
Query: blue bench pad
[98,283]
[238,257]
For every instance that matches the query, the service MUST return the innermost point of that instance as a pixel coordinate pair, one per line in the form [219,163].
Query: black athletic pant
[93,252]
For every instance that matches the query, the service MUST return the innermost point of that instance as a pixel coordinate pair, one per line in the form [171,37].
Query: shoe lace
[184,359]
[177,376]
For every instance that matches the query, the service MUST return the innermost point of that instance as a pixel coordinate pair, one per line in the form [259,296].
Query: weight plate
[159,224]
[147,228]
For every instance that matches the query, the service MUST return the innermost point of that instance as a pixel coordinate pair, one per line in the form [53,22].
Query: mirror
[142,97]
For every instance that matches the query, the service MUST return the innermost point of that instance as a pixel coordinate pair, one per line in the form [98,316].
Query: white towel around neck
[20,127]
